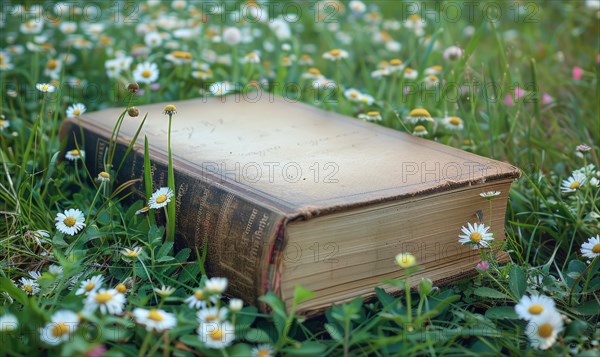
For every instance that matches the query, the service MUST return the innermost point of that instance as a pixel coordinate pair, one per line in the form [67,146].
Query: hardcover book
[283,193]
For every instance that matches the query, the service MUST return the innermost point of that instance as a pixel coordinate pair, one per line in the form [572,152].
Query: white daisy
[235,305]
[154,319]
[30,286]
[104,176]
[153,39]
[370,116]
[164,291]
[56,270]
[75,110]
[435,70]
[4,124]
[70,222]
[179,57]
[264,350]
[109,301]
[33,26]
[146,73]
[335,54]
[357,7]
[573,183]
[490,194]
[431,81]
[395,65]
[534,306]
[324,83]
[453,123]
[352,94]
[406,260]
[92,284]
[366,99]
[74,154]
[591,248]
[197,300]
[232,36]
[452,53]
[160,198]
[251,57]
[418,115]
[542,331]
[381,72]
[216,335]
[45,87]
[221,88]
[132,253]
[420,130]
[410,73]
[62,324]
[476,234]
[215,285]
[8,322]
[211,314]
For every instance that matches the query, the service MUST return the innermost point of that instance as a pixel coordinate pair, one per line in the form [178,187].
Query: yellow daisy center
[420,128]
[455,121]
[28,288]
[335,52]
[415,17]
[545,330]
[76,111]
[2,122]
[182,55]
[103,297]
[437,68]
[74,152]
[575,185]
[314,71]
[170,108]
[535,309]
[475,237]
[305,57]
[146,73]
[419,112]
[155,315]
[60,329]
[395,62]
[354,95]
[408,70]
[596,248]
[373,114]
[70,221]
[131,253]
[216,335]
[199,294]
[263,352]
[45,87]
[210,318]
[52,64]
[121,288]
[89,286]
[161,198]
[104,174]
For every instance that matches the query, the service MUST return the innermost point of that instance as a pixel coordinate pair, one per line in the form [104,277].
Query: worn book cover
[284,193]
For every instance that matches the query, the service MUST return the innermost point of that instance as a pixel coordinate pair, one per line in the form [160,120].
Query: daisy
[45,87]
[251,57]
[221,88]
[530,307]
[75,110]
[264,350]
[160,198]
[573,183]
[197,300]
[431,81]
[74,154]
[335,54]
[35,275]
[381,72]
[68,27]
[406,260]
[179,57]
[103,176]
[312,73]
[420,130]
[370,116]
[62,324]
[90,285]
[164,291]
[476,234]
[352,94]
[216,335]
[591,248]
[33,26]
[55,270]
[417,115]
[211,314]
[154,319]
[170,109]
[306,60]
[324,83]
[366,99]
[204,75]
[143,210]
[583,148]
[70,222]
[8,322]
[433,70]
[53,68]
[542,331]
[146,73]
[490,194]
[410,73]
[453,123]
[215,285]
[232,36]
[452,53]
[235,305]
[153,39]
[109,301]
[132,253]
[4,124]
[395,65]
[31,287]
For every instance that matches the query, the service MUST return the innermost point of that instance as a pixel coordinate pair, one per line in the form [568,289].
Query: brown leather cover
[244,167]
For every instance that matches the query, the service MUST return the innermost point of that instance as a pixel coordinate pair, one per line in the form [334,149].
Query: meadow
[86,272]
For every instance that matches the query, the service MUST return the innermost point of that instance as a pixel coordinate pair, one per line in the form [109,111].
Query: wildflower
[70,222]
[251,57]
[154,319]
[396,65]
[573,183]
[415,23]
[109,301]
[483,265]
[55,270]
[232,36]
[204,75]
[221,88]
[547,99]
[577,73]
[370,116]
[357,7]
[306,60]
[264,350]
[146,72]
[235,305]
[591,248]
[312,73]
[542,331]
[410,73]
[33,26]
[122,288]
[133,112]
[216,335]
[406,260]
[74,154]
[335,54]
[366,99]
[142,210]
[62,324]
[534,306]
[45,87]
[197,299]
[8,322]
[420,130]
[211,314]
[68,27]
[92,284]
[433,70]
[31,287]
[164,291]
[379,73]
[476,234]
[35,275]
[431,81]
[133,87]
[453,53]
[160,198]
[281,28]
[490,194]
[179,57]
[417,115]
[583,148]
[4,124]
[133,253]
[352,94]
[324,83]
[169,109]
[453,123]
[215,285]
[75,110]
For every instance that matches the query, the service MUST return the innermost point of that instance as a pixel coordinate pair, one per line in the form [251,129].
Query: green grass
[545,227]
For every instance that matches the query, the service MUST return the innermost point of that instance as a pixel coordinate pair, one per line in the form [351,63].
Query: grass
[535,49]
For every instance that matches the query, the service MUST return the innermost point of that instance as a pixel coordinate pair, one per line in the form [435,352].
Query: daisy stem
[408,298]
[145,344]
[171,185]
[94,200]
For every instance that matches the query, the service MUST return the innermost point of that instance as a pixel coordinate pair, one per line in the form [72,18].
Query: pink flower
[482,265]
[96,351]
[547,99]
[155,86]
[583,148]
[577,73]
[509,101]
[519,92]
[598,58]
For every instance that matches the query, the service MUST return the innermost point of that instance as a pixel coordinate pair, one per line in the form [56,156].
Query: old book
[285,193]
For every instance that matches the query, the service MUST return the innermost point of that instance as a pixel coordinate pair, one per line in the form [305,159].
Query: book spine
[239,233]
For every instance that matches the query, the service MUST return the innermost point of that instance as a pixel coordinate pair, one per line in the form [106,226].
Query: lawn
[85,271]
